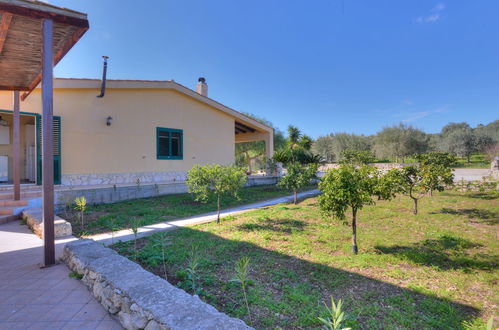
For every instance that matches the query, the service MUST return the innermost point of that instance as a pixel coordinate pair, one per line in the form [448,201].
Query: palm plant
[298,149]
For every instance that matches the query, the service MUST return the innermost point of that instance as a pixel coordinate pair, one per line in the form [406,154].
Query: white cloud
[440,6]
[416,115]
[433,16]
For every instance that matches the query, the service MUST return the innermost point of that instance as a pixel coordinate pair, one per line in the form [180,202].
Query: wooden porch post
[16,170]
[48,144]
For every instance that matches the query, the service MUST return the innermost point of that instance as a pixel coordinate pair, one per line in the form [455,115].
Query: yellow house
[140,131]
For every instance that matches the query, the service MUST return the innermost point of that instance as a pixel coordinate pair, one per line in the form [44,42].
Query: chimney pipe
[104,74]
[202,87]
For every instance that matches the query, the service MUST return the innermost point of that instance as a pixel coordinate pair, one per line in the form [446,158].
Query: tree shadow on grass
[484,195]
[481,216]
[444,253]
[276,225]
[289,292]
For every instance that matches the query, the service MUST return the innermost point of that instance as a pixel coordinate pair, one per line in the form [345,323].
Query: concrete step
[8,218]
[7,210]
[9,202]
[28,194]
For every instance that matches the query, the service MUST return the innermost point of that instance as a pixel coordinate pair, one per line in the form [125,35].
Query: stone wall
[494,168]
[380,166]
[117,193]
[122,178]
[138,298]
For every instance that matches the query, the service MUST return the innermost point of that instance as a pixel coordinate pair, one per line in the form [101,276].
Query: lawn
[115,216]
[476,161]
[434,270]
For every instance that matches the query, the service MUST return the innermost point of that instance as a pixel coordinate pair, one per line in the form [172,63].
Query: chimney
[202,87]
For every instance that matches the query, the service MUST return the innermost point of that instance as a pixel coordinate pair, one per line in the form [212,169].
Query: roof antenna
[104,73]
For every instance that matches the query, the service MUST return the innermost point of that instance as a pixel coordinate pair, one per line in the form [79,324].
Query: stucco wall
[129,144]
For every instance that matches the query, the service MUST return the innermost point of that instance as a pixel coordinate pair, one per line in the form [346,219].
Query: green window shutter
[57,149]
[169,143]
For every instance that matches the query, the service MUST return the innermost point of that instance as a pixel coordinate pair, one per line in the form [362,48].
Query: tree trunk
[248,159]
[355,250]
[218,213]
[415,210]
[468,157]
[431,191]
[295,199]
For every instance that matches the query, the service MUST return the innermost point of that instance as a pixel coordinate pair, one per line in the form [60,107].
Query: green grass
[434,270]
[476,161]
[106,217]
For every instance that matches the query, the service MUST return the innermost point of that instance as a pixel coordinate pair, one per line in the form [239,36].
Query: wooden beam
[4,27]
[239,130]
[58,56]
[16,166]
[244,127]
[53,13]
[48,143]
[14,88]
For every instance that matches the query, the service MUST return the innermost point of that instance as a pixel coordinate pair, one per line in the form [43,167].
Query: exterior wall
[128,146]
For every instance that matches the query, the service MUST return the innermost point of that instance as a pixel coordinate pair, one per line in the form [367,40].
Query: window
[169,144]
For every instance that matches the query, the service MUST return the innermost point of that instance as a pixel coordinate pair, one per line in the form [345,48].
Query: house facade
[139,132]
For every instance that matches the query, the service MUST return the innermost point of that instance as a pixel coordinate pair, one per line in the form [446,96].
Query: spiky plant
[80,206]
[242,272]
[135,225]
[162,242]
[335,317]
[192,269]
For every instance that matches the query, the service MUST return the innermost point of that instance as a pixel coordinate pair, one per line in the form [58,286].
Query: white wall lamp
[109,120]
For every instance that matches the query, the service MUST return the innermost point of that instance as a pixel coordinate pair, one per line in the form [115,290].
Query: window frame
[170,131]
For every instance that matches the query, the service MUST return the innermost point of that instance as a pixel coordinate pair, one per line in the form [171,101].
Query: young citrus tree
[215,181]
[437,169]
[351,187]
[417,180]
[298,176]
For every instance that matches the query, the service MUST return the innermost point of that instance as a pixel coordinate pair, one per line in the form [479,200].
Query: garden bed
[108,217]
[434,270]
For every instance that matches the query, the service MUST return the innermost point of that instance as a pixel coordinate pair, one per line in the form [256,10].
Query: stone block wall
[122,178]
[138,298]
[112,194]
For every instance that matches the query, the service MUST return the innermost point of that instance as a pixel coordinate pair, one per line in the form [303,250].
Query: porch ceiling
[21,40]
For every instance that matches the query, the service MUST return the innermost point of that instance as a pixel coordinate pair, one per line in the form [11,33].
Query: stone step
[33,218]
[8,218]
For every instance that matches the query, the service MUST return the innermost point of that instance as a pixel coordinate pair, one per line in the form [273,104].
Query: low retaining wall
[138,298]
[112,194]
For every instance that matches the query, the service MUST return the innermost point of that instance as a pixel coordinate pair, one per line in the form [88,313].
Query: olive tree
[298,176]
[351,187]
[357,157]
[214,181]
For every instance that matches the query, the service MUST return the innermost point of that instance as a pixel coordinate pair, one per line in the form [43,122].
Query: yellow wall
[129,144]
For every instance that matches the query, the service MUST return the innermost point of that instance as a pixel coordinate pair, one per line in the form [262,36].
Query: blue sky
[324,66]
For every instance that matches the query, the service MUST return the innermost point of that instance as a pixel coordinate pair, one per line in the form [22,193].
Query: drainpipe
[104,73]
